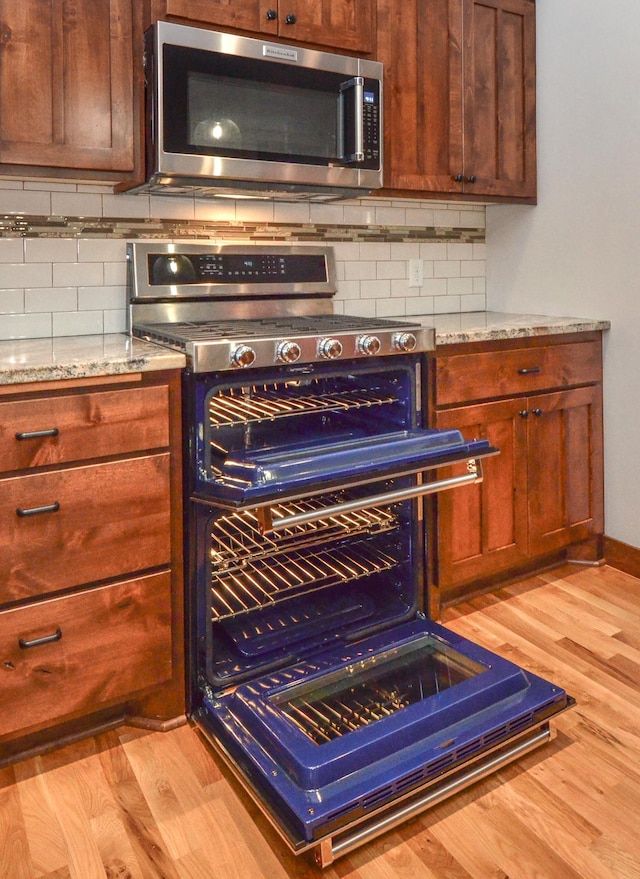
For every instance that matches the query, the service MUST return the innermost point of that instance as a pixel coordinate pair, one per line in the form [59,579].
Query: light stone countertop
[489,326]
[64,357]
[35,360]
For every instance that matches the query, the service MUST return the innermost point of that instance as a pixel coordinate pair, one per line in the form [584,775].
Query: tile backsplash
[62,251]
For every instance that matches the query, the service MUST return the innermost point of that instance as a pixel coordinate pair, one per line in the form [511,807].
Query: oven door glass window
[374,688]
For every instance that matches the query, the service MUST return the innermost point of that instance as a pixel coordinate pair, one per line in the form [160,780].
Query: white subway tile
[375,289]
[394,268]
[400,287]
[222,210]
[125,206]
[389,307]
[17,201]
[102,250]
[51,250]
[480,286]
[25,326]
[360,271]
[115,273]
[433,250]
[291,212]
[446,269]
[479,251]
[391,216]
[25,274]
[472,267]
[459,286]
[360,215]
[171,207]
[254,211]
[348,290]
[11,301]
[419,305]
[11,250]
[347,251]
[446,304]
[326,214]
[476,302]
[460,251]
[51,299]
[378,250]
[362,308]
[115,321]
[75,204]
[434,287]
[86,274]
[93,298]
[420,217]
[78,323]
[403,250]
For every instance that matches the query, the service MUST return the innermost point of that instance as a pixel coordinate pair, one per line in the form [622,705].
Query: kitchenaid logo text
[281,52]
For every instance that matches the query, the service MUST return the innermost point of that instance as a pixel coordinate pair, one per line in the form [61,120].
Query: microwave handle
[352,110]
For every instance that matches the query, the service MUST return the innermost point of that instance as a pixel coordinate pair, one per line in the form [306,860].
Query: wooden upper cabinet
[338,24]
[459,96]
[66,84]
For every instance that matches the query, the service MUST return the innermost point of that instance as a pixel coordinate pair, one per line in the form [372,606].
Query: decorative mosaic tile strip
[82,227]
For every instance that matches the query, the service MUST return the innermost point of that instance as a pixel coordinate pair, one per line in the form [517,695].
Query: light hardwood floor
[131,804]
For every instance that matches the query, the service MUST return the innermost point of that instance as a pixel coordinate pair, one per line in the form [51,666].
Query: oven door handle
[474,475]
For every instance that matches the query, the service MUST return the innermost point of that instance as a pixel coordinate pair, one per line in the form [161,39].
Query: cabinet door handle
[472,178]
[37,642]
[35,511]
[290,19]
[37,434]
[533,370]
[271,14]
[459,178]
[523,413]
[537,412]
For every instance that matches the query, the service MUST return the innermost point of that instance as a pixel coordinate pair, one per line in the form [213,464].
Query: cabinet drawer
[60,429]
[480,376]
[75,654]
[91,523]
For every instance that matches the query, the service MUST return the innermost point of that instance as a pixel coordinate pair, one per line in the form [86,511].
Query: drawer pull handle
[37,434]
[537,412]
[37,642]
[523,413]
[533,371]
[35,511]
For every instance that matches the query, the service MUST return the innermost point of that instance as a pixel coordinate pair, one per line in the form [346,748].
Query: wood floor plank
[135,804]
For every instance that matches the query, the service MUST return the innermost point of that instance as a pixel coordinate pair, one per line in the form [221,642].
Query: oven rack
[237,406]
[260,583]
[239,536]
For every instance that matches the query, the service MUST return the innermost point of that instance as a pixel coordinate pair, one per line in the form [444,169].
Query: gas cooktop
[228,307]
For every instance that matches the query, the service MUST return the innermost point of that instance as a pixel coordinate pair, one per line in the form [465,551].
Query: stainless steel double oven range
[314,671]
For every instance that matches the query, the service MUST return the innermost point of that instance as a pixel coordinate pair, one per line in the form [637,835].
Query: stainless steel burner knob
[368,345]
[331,349]
[243,355]
[288,352]
[404,341]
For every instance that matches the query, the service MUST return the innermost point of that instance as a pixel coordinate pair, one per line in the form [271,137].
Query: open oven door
[346,745]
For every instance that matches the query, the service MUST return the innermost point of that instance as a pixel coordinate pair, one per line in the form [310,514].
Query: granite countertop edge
[24,361]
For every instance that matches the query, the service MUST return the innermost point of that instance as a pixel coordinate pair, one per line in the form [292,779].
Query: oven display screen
[229,268]
[375,688]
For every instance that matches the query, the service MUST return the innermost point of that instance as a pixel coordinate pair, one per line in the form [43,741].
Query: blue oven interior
[313,666]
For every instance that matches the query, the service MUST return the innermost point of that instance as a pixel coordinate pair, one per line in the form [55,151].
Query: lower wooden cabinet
[91,589]
[74,654]
[544,492]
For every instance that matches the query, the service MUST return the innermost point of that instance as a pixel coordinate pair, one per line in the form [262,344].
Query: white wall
[578,251]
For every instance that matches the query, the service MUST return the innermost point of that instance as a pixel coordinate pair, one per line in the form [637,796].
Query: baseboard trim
[622,556]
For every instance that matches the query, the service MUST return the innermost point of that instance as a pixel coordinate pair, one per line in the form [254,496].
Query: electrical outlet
[416,275]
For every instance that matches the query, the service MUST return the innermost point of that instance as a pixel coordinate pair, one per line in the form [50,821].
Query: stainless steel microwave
[228,114]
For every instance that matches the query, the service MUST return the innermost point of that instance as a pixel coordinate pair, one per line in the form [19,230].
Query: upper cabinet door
[249,15]
[339,24]
[459,96]
[499,97]
[66,84]
[336,24]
